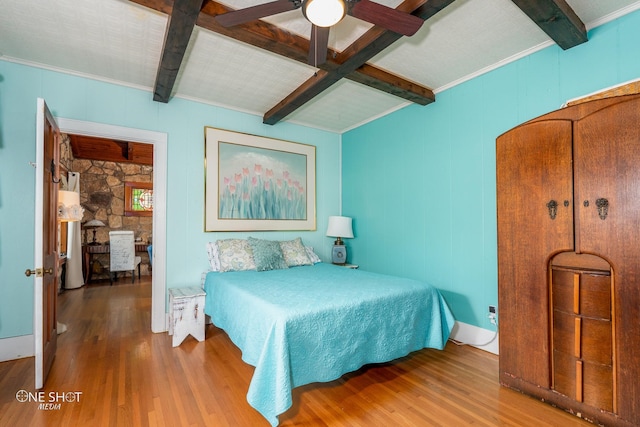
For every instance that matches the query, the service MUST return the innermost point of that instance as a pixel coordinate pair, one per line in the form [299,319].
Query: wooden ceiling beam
[377,78]
[182,21]
[271,38]
[557,19]
[366,47]
[111,150]
[257,33]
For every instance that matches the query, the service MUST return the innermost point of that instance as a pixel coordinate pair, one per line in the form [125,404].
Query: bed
[315,323]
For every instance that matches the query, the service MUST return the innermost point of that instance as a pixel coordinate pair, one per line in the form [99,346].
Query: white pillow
[212,254]
[294,252]
[235,255]
[312,255]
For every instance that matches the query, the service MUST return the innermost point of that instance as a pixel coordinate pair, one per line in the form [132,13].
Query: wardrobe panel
[535,217]
[607,175]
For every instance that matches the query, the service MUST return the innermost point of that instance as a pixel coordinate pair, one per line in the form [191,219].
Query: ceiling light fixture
[324,13]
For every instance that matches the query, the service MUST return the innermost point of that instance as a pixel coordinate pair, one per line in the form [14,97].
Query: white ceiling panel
[346,105]
[470,36]
[597,12]
[115,40]
[237,75]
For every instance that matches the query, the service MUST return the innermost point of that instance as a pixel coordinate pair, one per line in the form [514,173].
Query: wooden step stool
[186,313]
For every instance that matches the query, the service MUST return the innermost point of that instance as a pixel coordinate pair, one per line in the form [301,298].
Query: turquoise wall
[84,99]
[420,183]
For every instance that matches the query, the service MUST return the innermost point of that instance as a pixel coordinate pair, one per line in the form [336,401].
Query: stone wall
[102,197]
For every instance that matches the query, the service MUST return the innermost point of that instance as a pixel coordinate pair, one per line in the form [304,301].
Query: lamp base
[339,254]
[93,243]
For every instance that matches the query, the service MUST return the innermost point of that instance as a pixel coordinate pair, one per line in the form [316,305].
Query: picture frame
[138,198]
[255,183]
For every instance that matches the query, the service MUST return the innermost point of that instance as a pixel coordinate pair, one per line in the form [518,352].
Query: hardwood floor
[111,370]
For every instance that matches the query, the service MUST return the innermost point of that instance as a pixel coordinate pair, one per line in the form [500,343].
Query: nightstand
[351,266]
[186,314]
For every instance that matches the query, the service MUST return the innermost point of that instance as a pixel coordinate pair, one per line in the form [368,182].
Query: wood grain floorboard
[125,375]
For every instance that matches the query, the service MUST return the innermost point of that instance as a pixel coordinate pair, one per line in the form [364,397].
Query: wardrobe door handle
[552,205]
[603,208]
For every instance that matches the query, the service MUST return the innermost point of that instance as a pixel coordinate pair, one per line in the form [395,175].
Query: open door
[46,248]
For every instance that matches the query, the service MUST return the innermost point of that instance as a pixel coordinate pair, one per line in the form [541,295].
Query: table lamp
[94,224]
[339,227]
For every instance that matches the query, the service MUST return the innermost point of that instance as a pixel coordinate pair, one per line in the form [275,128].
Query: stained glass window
[142,200]
[138,198]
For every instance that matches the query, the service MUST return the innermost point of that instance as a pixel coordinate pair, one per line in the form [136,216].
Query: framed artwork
[138,199]
[254,183]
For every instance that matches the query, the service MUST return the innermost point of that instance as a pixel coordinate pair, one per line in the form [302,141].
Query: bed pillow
[235,255]
[214,257]
[295,253]
[267,254]
[313,257]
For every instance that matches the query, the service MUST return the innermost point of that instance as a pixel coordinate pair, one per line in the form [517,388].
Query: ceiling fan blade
[318,45]
[386,17]
[252,13]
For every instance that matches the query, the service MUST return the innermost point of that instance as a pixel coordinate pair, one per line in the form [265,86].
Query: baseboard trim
[22,346]
[462,333]
[16,347]
[474,336]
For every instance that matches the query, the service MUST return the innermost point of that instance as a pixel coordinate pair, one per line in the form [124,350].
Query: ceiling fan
[323,14]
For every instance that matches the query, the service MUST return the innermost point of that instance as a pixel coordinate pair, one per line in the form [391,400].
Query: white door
[46,245]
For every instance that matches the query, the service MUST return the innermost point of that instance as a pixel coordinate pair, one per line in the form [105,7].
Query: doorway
[159,141]
[117,194]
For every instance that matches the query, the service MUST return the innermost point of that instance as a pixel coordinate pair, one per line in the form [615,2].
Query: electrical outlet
[492,315]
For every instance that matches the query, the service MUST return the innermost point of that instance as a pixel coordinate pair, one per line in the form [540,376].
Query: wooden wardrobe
[568,204]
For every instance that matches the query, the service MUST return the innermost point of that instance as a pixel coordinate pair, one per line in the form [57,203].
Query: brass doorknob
[39,272]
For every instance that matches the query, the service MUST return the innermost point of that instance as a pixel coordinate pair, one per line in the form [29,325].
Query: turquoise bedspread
[316,323]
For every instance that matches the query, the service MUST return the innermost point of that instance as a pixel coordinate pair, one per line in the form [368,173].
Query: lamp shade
[340,226]
[94,223]
[323,13]
[69,209]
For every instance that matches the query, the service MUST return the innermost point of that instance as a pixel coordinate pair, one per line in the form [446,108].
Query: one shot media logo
[48,401]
